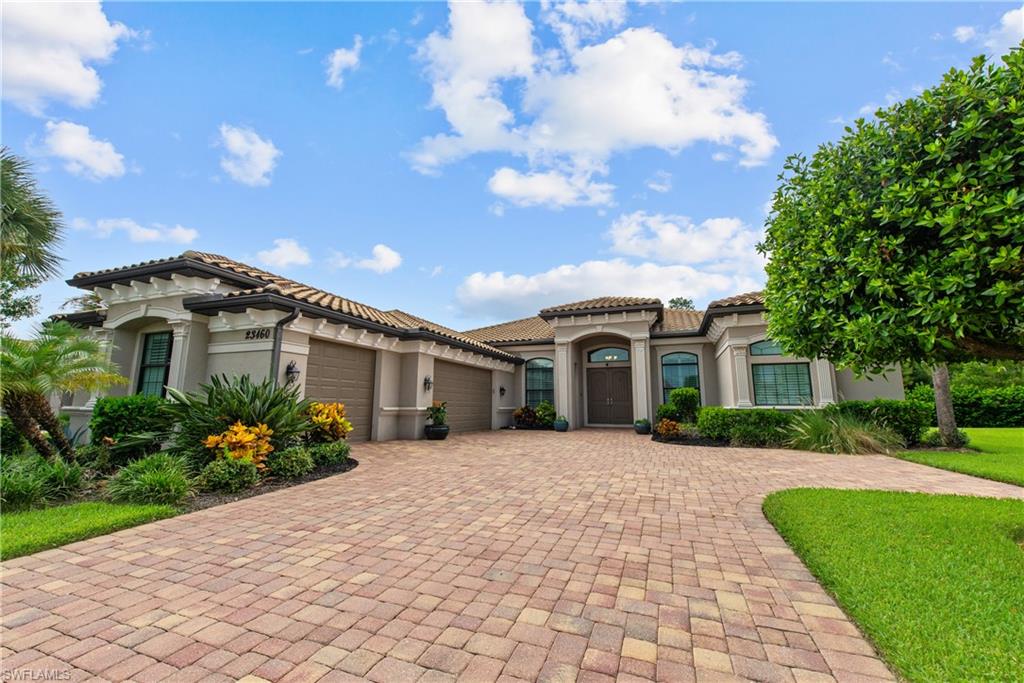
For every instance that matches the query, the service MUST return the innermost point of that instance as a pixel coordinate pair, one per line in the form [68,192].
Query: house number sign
[257,333]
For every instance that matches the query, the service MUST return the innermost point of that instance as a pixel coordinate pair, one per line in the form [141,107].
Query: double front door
[609,396]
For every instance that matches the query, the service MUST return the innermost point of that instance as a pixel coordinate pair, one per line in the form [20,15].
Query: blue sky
[469,164]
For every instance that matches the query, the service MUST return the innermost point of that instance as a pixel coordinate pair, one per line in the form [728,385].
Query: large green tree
[30,233]
[59,358]
[904,240]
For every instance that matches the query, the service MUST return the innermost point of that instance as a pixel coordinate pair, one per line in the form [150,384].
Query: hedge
[909,419]
[747,427]
[115,417]
[973,407]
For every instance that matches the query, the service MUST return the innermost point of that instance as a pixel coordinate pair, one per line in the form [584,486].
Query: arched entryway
[608,385]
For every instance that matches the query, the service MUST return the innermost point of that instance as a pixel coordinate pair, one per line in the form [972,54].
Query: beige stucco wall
[254,363]
[887,385]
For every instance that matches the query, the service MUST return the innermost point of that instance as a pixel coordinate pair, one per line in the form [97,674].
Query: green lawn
[22,533]
[935,581]
[1001,457]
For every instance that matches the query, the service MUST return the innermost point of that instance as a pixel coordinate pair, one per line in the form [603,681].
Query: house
[606,361]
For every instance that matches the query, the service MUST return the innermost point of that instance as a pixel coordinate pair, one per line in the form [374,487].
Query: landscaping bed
[994,453]
[208,499]
[934,581]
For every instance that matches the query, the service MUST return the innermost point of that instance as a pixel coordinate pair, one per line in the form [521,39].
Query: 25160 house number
[259,333]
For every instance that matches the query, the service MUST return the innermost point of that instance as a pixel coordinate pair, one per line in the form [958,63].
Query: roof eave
[147,271]
[549,315]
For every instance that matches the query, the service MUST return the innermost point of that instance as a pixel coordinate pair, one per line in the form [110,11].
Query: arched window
[765,348]
[607,355]
[678,370]
[540,381]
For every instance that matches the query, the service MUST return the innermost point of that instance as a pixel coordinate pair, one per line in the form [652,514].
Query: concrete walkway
[510,555]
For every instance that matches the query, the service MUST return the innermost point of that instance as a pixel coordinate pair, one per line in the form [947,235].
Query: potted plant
[561,424]
[642,426]
[438,427]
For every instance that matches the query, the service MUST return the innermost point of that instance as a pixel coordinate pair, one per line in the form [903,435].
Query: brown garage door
[467,391]
[337,372]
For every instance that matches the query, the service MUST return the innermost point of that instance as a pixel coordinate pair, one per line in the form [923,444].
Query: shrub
[230,475]
[291,463]
[11,440]
[329,421]
[61,479]
[908,419]
[528,418]
[21,485]
[682,406]
[933,439]
[974,407]
[837,432]
[160,478]
[239,442]
[96,457]
[437,413]
[330,453]
[753,426]
[545,414]
[223,402]
[667,430]
[116,417]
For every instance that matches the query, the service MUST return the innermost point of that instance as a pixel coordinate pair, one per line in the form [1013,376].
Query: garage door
[336,372]
[467,391]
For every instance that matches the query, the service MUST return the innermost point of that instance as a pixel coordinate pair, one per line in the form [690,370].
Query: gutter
[275,355]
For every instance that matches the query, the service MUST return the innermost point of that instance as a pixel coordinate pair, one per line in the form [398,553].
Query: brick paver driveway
[515,555]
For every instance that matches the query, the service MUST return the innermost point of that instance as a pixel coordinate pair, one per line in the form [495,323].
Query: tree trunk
[48,421]
[944,407]
[17,407]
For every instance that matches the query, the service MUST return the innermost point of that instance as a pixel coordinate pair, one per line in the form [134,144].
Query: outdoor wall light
[291,373]
[501,391]
[427,383]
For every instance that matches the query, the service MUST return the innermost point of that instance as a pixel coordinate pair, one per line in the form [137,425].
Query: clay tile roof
[747,299]
[602,303]
[410,320]
[674,320]
[524,330]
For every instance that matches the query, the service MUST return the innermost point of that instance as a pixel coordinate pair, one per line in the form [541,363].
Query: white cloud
[385,259]
[582,104]
[155,232]
[890,61]
[48,50]
[286,252]
[550,188]
[677,239]
[83,154]
[250,159]
[962,34]
[432,272]
[342,60]
[998,39]
[501,295]
[661,181]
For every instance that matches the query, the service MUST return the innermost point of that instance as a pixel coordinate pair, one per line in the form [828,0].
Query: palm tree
[32,227]
[60,358]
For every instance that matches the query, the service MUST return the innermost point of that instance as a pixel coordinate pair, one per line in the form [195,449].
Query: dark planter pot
[644,428]
[561,425]
[436,432]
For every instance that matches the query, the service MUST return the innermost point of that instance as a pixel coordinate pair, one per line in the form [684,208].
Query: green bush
[933,439]
[545,413]
[230,475]
[908,419]
[974,407]
[752,426]
[330,453]
[116,417]
[222,402]
[61,479]
[837,432]
[160,478]
[682,406]
[290,463]
[21,484]
[95,457]
[11,440]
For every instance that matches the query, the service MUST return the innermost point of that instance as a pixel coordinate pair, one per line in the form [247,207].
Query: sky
[470,163]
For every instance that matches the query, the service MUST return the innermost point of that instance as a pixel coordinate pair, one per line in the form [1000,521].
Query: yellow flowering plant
[241,442]
[329,421]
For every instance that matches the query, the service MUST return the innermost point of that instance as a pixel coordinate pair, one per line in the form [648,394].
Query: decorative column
[641,367]
[179,353]
[739,359]
[105,337]
[826,382]
[563,385]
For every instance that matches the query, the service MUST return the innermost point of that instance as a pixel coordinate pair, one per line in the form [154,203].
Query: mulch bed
[209,499]
[692,441]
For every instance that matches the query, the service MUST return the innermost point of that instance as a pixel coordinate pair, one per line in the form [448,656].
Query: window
[156,363]
[678,370]
[607,355]
[765,348]
[540,381]
[782,384]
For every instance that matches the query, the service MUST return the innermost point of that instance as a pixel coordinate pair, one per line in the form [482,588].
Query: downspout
[275,355]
